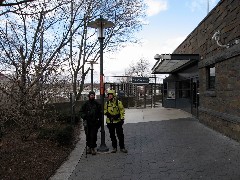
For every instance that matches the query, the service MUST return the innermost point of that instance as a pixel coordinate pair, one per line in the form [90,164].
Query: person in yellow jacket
[115,113]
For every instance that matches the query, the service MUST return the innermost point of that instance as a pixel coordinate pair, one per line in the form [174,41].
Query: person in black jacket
[90,112]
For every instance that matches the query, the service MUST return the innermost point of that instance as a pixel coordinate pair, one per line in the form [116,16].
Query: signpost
[140,80]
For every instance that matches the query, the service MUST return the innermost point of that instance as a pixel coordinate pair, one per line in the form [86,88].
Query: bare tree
[6,3]
[141,68]
[127,16]
[32,38]
[39,39]
[9,5]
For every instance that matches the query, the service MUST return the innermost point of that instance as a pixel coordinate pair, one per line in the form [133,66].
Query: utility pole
[207,6]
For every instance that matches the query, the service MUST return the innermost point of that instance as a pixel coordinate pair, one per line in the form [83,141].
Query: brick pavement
[170,149]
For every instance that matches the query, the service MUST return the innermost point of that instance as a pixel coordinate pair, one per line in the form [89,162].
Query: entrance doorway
[195,96]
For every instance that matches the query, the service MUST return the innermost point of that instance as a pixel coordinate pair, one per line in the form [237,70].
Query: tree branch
[13,4]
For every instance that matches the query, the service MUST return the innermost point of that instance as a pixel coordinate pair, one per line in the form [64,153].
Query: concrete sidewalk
[162,144]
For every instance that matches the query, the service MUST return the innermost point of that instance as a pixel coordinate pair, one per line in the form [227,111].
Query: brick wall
[219,109]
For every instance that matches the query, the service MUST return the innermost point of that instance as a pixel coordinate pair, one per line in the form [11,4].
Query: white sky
[169,23]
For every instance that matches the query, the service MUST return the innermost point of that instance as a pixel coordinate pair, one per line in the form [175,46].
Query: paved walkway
[163,144]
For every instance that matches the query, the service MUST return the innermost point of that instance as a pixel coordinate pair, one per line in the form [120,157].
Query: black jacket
[91,112]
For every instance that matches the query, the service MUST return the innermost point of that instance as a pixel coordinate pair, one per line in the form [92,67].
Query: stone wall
[219,108]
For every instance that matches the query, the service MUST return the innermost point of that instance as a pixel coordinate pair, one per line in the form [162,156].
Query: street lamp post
[155,81]
[92,62]
[101,24]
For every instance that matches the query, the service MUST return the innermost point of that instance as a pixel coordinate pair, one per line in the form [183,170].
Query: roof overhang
[170,63]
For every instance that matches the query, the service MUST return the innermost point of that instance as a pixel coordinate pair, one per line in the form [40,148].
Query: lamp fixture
[101,24]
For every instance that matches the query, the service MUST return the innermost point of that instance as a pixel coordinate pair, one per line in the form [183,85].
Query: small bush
[66,118]
[47,133]
[61,131]
[65,135]
[1,134]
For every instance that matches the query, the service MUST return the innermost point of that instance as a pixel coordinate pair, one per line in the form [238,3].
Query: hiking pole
[86,132]
[86,141]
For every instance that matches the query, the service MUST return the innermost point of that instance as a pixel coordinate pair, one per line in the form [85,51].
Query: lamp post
[101,24]
[92,62]
[155,80]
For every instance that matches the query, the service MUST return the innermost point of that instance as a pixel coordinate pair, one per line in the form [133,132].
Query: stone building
[212,77]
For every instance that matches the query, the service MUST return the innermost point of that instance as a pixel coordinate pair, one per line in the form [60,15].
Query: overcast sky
[169,22]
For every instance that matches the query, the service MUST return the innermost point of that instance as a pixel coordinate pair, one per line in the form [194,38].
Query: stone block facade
[219,108]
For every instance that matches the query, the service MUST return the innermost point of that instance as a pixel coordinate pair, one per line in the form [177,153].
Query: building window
[169,90]
[211,77]
[183,89]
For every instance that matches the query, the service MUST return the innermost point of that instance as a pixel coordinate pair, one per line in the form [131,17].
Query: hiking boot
[123,150]
[93,151]
[89,150]
[114,150]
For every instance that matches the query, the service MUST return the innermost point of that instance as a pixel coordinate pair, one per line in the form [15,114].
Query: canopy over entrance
[170,63]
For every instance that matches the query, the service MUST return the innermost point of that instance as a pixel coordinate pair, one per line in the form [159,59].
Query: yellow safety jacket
[114,111]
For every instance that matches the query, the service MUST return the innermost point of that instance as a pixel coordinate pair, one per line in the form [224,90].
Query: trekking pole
[86,132]
[86,140]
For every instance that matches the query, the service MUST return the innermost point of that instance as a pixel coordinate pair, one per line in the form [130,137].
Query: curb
[66,169]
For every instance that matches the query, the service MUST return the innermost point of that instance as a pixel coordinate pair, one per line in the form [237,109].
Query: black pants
[91,135]
[112,127]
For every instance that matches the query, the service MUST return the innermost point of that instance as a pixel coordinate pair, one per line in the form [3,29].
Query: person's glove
[108,115]
[117,116]
[122,121]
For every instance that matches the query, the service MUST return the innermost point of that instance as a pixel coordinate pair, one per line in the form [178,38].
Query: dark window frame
[211,77]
